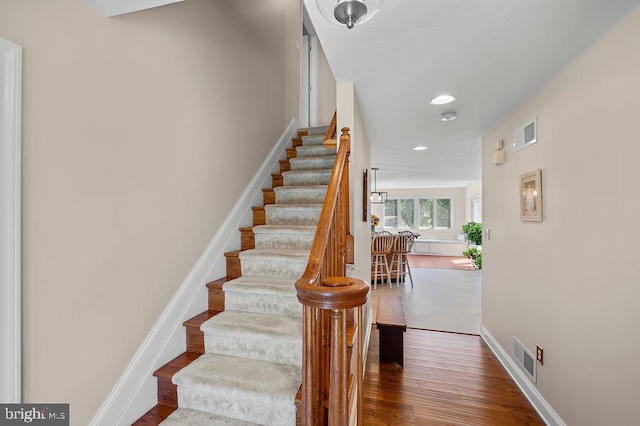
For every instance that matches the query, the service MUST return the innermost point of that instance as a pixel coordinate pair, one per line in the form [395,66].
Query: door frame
[10,221]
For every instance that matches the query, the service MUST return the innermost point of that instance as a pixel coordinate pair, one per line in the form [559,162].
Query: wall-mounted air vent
[523,358]
[525,136]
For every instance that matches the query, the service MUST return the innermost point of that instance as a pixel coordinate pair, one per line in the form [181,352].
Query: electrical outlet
[540,355]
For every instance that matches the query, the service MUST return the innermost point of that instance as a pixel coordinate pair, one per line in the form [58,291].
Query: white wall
[140,132]
[571,283]
[349,115]
[326,89]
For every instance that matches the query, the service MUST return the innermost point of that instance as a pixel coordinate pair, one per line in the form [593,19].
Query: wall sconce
[349,12]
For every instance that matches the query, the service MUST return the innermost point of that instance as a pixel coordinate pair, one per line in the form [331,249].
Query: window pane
[390,213]
[443,211]
[426,214]
[406,214]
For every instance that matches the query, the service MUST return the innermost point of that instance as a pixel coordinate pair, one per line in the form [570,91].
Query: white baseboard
[546,412]
[136,390]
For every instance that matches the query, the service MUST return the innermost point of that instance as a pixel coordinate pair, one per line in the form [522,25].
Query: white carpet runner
[251,370]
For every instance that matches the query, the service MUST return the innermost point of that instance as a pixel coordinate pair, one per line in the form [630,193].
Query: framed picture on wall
[531,196]
[365,196]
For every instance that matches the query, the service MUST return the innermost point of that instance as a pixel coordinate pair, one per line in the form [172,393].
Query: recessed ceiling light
[442,100]
[448,116]
[419,148]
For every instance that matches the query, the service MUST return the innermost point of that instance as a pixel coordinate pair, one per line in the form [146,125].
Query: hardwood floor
[447,379]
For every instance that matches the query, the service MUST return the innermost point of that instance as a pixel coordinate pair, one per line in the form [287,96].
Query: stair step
[188,417]
[274,338]
[317,130]
[233,263]
[285,166]
[306,177]
[313,139]
[284,237]
[247,238]
[261,295]
[246,389]
[292,214]
[167,392]
[195,336]
[259,217]
[154,416]
[311,163]
[277,179]
[216,295]
[308,194]
[314,151]
[273,263]
[268,196]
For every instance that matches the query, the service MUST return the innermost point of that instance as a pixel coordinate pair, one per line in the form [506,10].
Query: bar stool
[380,248]
[401,248]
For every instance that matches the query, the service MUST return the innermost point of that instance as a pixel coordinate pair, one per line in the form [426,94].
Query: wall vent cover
[526,135]
[525,360]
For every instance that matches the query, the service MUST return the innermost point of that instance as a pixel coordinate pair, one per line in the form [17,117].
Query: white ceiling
[491,54]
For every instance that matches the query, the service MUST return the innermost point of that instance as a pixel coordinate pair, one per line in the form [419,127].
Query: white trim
[10,225]
[548,414]
[314,113]
[120,7]
[136,390]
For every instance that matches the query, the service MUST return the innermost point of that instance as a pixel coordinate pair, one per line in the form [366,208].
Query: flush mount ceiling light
[419,148]
[349,12]
[442,100]
[376,196]
[448,116]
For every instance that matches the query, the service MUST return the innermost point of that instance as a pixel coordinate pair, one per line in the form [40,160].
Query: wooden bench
[392,323]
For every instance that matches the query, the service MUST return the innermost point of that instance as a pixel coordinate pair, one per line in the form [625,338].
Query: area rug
[440,262]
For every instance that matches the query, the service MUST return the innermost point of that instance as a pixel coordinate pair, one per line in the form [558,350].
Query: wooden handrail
[328,296]
[331,131]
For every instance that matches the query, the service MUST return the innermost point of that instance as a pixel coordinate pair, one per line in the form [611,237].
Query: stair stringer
[136,390]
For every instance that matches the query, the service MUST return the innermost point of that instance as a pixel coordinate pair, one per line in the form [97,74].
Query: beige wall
[457,196]
[571,283]
[133,128]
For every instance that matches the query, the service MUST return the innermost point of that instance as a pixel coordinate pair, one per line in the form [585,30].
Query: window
[418,213]
[476,210]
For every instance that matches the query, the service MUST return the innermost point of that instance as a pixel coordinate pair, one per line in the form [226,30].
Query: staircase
[243,363]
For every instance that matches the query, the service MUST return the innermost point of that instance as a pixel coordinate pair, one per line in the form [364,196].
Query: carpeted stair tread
[293,214]
[306,177]
[272,296]
[250,390]
[315,151]
[284,229]
[313,139]
[188,417]
[316,130]
[273,263]
[259,336]
[312,163]
[284,237]
[309,194]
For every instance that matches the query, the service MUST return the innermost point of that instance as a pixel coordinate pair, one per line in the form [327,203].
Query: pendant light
[377,197]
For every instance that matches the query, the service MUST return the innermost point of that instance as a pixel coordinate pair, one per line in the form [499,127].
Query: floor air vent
[524,358]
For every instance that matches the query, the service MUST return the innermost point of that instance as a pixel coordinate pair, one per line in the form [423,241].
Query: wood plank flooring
[447,379]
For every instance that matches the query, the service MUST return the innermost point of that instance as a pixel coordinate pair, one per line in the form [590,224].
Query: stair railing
[329,298]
